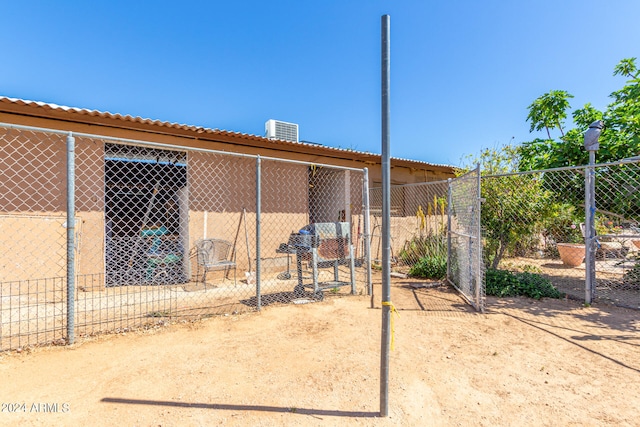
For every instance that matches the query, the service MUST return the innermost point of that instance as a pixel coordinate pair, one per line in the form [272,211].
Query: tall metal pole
[449,206]
[258,219]
[71,234]
[386,223]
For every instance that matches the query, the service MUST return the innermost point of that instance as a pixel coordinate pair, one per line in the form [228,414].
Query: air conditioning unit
[275,129]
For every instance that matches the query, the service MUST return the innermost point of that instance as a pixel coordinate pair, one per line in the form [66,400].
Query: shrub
[501,283]
[504,283]
[536,286]
[562,224]
[431,240]
[430,267]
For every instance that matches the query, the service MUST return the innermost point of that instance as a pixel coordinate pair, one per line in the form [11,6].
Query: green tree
[620,138]
[513,204]
[549,111]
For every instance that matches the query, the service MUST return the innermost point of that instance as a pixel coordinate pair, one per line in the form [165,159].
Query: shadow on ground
[227,407]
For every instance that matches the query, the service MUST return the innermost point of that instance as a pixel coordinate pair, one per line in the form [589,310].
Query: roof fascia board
[205,135]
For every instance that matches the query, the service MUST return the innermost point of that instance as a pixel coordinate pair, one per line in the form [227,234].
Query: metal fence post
[590,232]
[258,209]
[591,144]
[449,204]
[71,232]
[367,238]
[479,275]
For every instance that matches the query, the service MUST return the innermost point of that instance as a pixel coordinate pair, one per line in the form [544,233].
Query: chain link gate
[165,233]
[465,268]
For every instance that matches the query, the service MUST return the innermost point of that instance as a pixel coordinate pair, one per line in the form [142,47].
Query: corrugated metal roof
[197,129]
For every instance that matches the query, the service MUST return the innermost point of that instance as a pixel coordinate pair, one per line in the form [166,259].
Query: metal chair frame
[214,254]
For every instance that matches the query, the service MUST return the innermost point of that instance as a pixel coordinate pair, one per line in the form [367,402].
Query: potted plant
[562,231]
[571,254]
[572,248]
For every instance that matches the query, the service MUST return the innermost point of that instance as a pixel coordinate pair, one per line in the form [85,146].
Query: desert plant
[536,286]
[429,245]
[500,283]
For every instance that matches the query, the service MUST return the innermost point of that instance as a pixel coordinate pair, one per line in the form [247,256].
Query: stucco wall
[33,218]
[33,193]
[220,187]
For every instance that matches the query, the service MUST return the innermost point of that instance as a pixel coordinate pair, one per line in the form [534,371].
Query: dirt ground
[522,363]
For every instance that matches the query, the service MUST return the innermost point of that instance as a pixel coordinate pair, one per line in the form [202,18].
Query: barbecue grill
[322,245]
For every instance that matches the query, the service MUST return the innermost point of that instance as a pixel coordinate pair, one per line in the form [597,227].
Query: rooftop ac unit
[275,129]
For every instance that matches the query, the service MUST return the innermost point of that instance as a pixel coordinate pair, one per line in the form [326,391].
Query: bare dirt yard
[522,363]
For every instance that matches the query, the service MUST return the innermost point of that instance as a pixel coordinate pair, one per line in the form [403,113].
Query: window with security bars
[145,233]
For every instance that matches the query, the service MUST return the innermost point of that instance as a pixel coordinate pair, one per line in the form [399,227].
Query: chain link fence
[534,222]
[418,226]
[530,219]
[617,222]
[166,233]
[32,215]
[530,222]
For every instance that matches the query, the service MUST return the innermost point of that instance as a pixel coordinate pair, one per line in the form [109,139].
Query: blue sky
[462,72]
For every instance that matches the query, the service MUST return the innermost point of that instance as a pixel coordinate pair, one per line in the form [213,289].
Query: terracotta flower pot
[571,254]
[636,242]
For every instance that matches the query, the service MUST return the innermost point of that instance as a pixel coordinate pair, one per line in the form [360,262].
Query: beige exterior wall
[32,245]
[90,211]
[33,220]
[220,187]
[32,205]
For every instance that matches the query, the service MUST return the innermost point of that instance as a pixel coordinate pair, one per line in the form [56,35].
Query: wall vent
[275,129]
